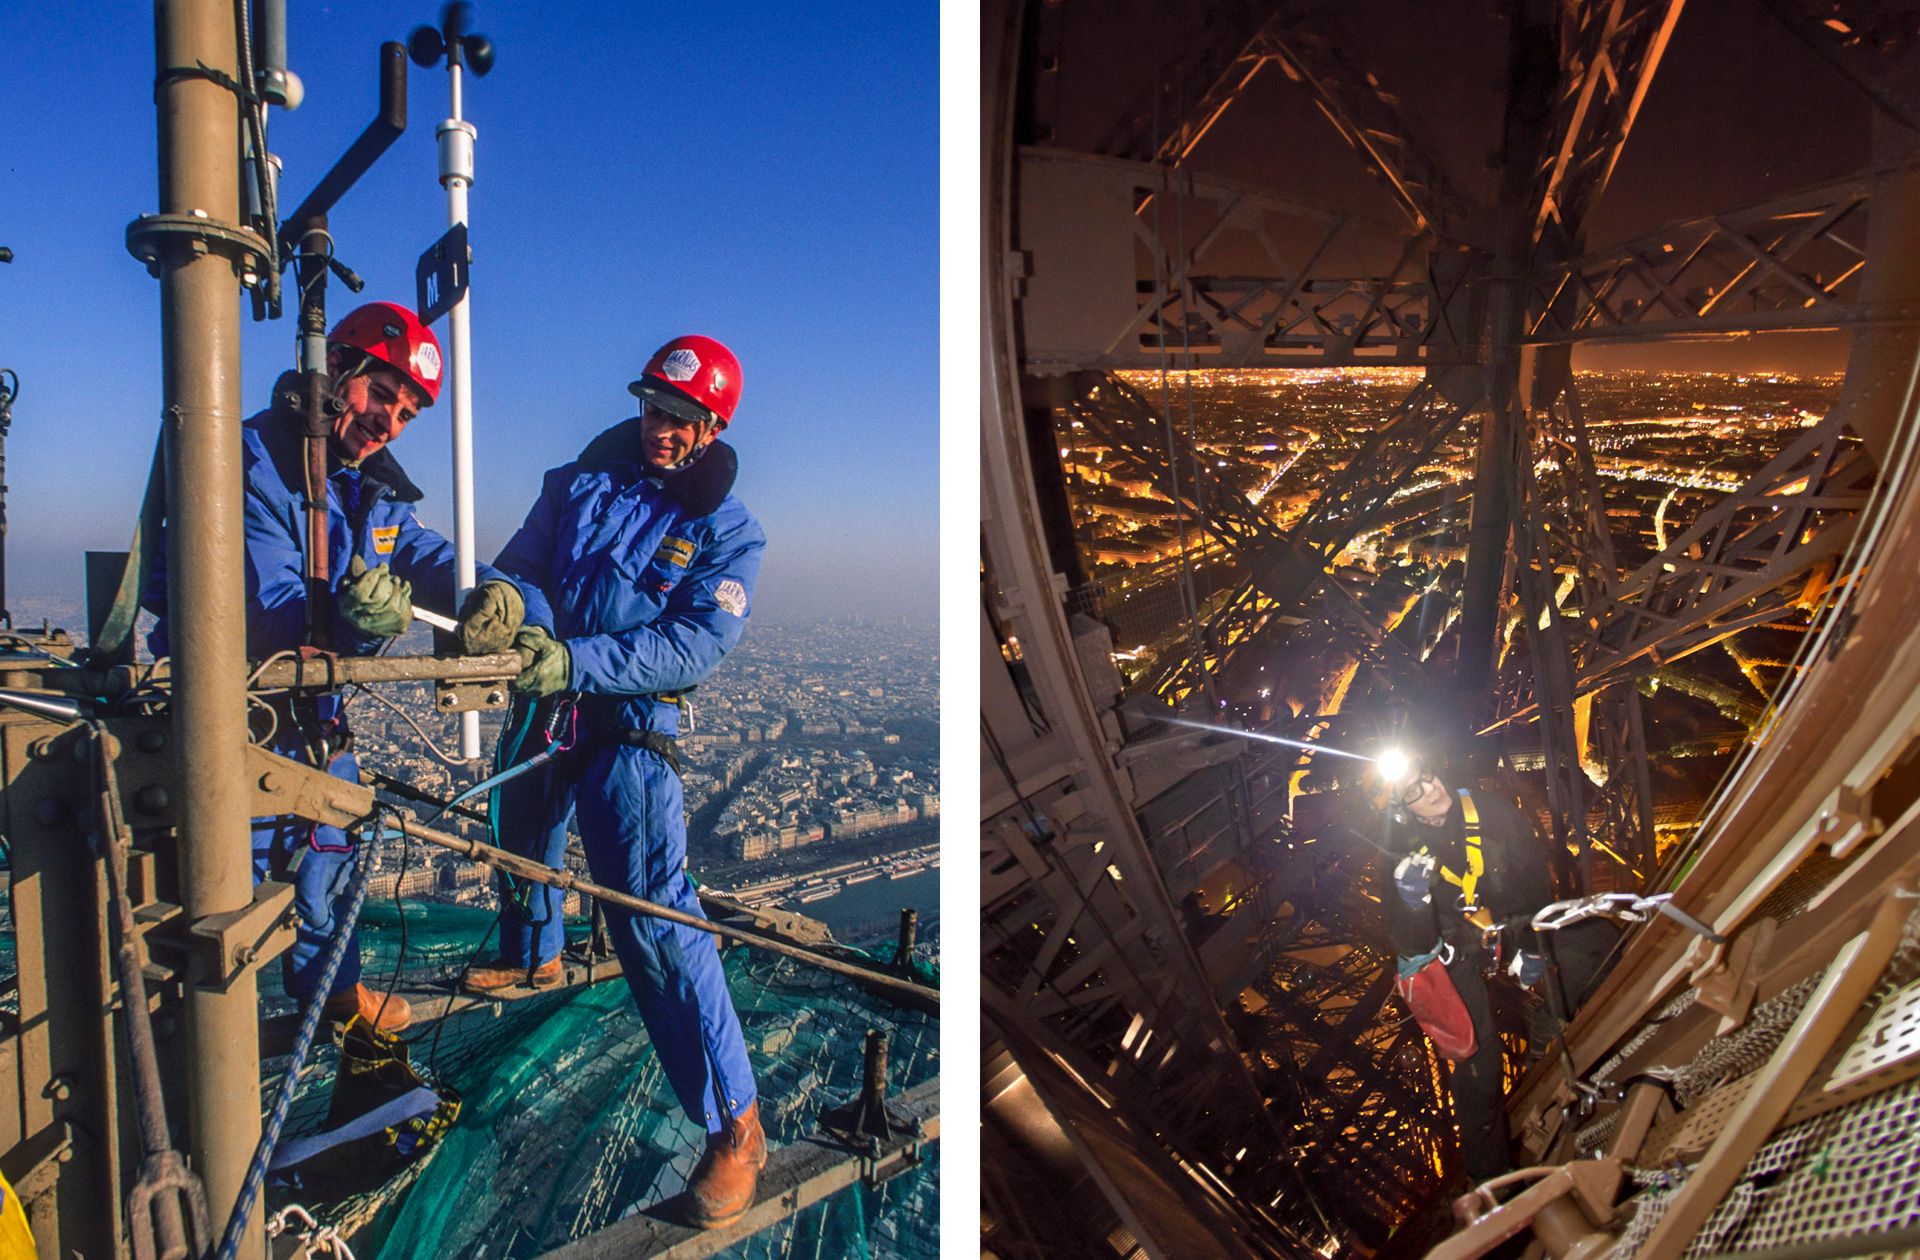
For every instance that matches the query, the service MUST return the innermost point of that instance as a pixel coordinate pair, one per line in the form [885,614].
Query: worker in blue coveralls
[649,563]
[383,368]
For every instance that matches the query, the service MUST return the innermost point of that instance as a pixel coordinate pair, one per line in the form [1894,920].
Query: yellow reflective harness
[1476,864]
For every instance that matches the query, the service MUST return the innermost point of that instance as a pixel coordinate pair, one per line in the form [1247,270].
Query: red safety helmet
[395,336]
[694,378]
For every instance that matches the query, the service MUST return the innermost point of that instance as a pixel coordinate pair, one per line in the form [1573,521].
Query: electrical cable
[399,908]
[458,763]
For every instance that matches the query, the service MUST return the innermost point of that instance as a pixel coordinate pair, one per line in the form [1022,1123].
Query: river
[873,902]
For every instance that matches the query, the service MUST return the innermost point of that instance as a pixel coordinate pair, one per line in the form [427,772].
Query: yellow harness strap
[1476,864]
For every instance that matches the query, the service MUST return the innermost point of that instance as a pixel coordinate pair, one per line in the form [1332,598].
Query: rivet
[152,799]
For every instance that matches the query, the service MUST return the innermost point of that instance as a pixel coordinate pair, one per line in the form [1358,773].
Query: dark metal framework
[1489,299]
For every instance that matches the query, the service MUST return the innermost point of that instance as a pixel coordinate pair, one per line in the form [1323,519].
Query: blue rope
[310,1017]
[487,785]
[302,1045]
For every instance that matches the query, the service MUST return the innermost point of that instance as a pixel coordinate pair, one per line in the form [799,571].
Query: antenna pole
[456,176]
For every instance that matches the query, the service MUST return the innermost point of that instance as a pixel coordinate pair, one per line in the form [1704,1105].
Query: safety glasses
[1413,789]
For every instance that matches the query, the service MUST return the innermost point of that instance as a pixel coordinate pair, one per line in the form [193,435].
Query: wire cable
[458,763]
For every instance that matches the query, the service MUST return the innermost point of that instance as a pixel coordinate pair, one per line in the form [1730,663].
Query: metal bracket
[470,697]
[27,1164]
[1846,820]
[284,786]
[143,766]
[1562,1206]
[1727,981]
[149,235]
[876,1170]
[229,946]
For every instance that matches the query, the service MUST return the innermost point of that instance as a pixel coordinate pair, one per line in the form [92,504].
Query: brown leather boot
[503,973]
[721,1188]
[393,1012]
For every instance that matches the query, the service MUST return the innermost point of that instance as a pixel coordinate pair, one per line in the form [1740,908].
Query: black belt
[652,741]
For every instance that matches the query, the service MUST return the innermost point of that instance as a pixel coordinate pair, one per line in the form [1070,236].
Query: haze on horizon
[622,195]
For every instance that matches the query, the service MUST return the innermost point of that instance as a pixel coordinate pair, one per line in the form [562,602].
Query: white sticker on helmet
[426,361]
[731,596]
[680,365]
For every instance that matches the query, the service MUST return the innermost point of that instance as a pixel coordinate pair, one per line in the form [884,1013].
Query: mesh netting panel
[1850,1172]
[1744,1049]
[1598,1134]
[1817,870]
[568,1123]
[1672,1010]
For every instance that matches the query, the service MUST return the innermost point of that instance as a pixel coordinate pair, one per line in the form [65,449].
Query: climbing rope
[302,1046]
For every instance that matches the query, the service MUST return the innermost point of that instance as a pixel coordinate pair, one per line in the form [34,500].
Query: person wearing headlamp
[1468,871]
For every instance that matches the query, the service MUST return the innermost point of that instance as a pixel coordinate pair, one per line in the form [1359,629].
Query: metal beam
[1235,274]
[798,1175]
[1251,615]
[1609,53]
[1794,261]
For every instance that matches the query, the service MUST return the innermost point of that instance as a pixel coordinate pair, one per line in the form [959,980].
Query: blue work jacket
[648,579]
[370,514]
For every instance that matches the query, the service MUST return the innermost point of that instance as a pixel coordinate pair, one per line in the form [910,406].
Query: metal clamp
[229,946]
[148,235]
[469,697]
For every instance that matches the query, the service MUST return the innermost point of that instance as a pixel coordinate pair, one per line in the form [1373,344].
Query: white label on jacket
[731,596]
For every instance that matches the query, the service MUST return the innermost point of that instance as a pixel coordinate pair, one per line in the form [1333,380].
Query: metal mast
[200,249]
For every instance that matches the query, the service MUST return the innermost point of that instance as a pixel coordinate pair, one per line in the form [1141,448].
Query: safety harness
[1423,981]
[1469,880]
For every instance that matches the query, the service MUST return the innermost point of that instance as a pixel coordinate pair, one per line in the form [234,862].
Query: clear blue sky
[764,173]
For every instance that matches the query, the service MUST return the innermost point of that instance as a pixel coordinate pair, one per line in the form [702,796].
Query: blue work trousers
[320,885]
[633,827]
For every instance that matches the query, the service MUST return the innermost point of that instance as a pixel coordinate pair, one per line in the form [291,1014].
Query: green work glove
[545,663]
[374,601]
[490,617]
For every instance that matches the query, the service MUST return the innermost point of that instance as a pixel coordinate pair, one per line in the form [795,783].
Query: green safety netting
[567,1122]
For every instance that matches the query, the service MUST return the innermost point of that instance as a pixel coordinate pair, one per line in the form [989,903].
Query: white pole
[456,175]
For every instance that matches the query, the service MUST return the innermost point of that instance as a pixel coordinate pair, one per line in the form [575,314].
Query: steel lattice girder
[1299,40]
[1609,53]
[1789,262]
[1209,70]
[1369,118]
[1787,517]
[1116,413]
[1240,275]
[1123,997]
[1282,579]
[1340,1014]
